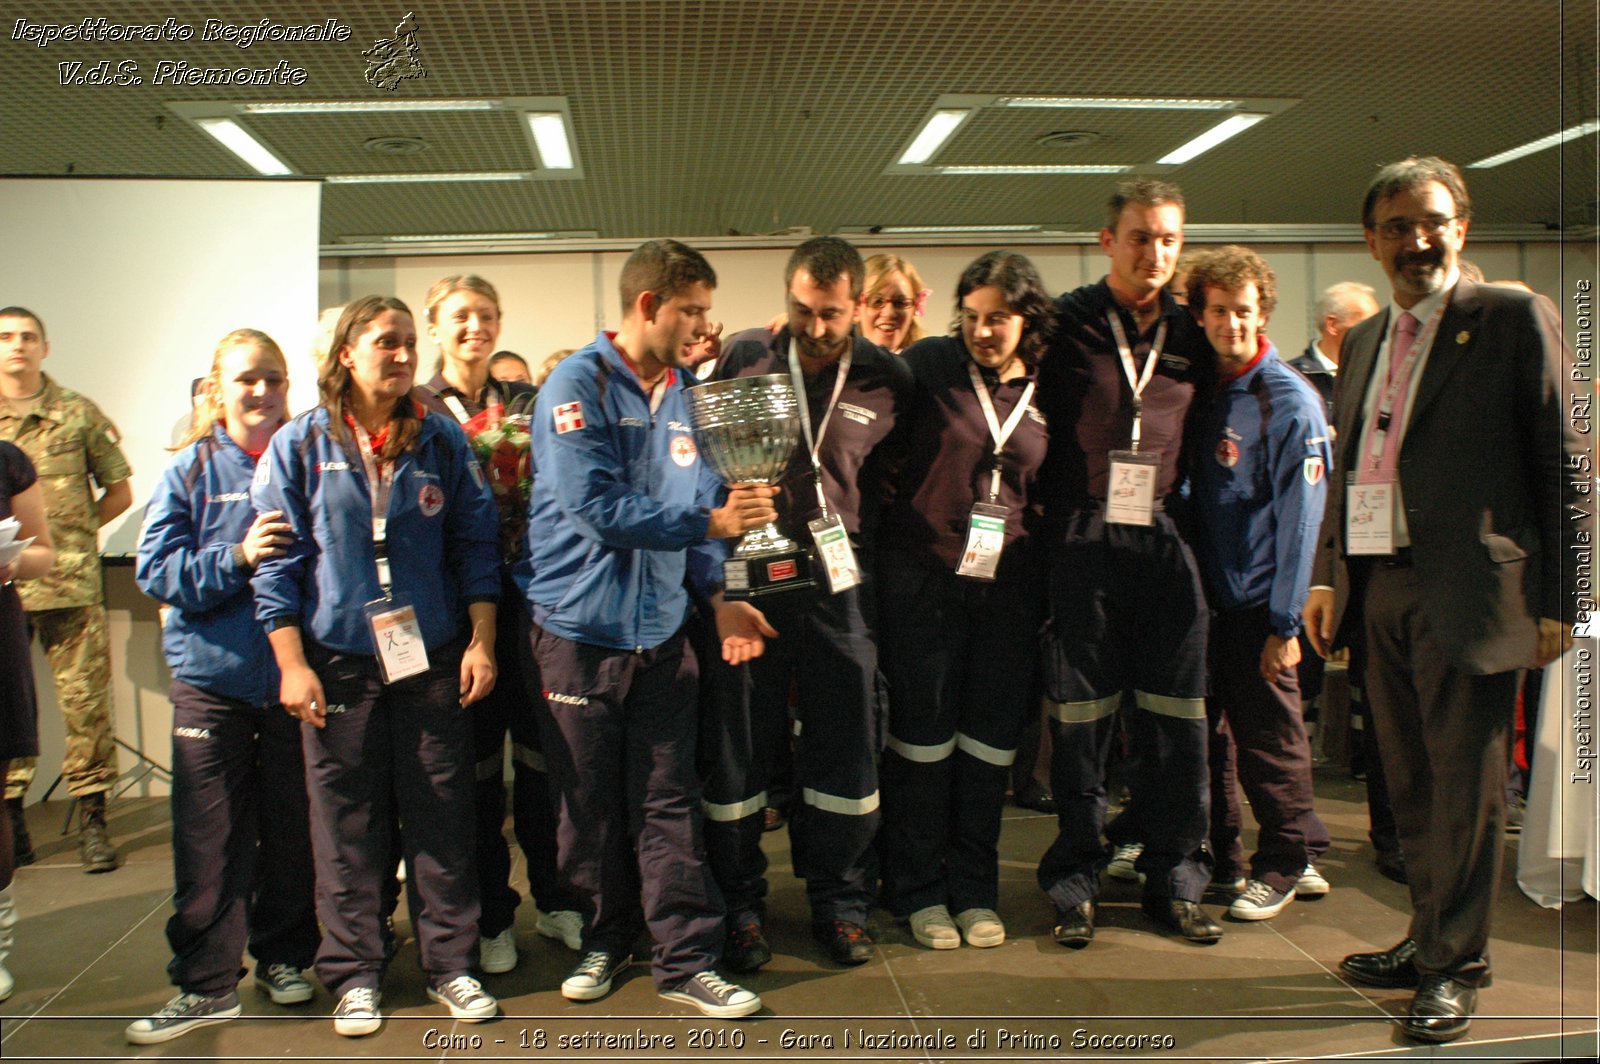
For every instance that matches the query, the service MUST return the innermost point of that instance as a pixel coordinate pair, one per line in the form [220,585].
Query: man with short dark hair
[624,517]
[1258,465]
[74,447]
[852,396]
[1446,545]
[1126,607]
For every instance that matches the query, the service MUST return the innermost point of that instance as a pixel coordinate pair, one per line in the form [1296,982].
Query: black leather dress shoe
[1392,865]
[1391,968]
[1441,1011]
[1032,796]
[1184,917]
[746,949]
[846,943]
[1075,926]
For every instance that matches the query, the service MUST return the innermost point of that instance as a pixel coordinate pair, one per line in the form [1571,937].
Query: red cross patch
[430,500]
[569,417]
[683,451]
[1227,454]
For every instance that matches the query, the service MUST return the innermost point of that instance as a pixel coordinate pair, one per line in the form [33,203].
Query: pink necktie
[1405,334]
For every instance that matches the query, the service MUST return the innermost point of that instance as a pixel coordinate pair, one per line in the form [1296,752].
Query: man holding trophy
[851,394]
[624,514]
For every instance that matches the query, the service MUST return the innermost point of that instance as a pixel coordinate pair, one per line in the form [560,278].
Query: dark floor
[91,956]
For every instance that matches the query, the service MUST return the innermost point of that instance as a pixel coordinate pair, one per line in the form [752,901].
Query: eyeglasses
[879,302]
[1401,228]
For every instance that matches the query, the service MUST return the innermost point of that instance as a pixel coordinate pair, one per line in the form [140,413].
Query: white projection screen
[137,279]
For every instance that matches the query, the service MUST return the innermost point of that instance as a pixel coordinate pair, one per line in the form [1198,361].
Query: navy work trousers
[1127,611]
[619,740]
[511,706]
[825,651]
[404,747]
[240,832]
[958,655]
[1258,739]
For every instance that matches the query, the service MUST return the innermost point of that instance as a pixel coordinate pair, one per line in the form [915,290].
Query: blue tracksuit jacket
[619,493]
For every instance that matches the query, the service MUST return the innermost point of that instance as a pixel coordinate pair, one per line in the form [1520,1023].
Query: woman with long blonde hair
[239,823]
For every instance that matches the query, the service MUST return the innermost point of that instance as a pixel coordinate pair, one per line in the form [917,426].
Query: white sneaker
[1260,902]
[498,954]
[564,925]
[933,928]
[357,1012]
[1122,861]
[981,927]
[1311,883]
[466,999]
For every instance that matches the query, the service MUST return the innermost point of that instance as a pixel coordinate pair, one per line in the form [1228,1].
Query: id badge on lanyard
[1131,495]
[833,547]
[828,531]
[397,637]
[986,538]
[392,620]
[986,524]
[1369,515]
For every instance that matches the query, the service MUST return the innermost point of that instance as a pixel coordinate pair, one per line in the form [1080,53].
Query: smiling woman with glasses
[892,301]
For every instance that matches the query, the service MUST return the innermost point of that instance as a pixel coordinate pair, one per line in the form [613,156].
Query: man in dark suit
[1445,541]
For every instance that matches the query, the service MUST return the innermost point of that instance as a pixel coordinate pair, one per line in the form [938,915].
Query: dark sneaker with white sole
[357,1012]
[714,996]
[466,999]
[284,984]
[181,1015]
[591,979]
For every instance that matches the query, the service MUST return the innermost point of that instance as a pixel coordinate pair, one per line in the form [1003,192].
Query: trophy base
[747,576]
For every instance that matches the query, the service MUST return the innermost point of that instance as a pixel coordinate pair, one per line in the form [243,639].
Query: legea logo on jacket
[566,700]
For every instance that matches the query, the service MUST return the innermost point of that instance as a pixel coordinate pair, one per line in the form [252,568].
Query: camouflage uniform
[69,441]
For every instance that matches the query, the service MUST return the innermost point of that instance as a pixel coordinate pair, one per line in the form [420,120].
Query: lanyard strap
[1383,416]
[380,482]
[1143,379]
[814,445]
[458,409]
[998,432]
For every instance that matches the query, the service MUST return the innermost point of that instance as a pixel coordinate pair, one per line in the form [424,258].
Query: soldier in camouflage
[74,447]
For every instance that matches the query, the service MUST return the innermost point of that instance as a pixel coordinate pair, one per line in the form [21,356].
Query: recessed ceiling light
[1224,130]
[1115,103]
[1573,133]
[425,178]
[312,107]
[232,135]
[426,238]
[940,127]
[552,139]
[906,230]
[1029,168]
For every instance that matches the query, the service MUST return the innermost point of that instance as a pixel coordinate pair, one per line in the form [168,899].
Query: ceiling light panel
[1533,146]
[238,140]
[1223,131]
[1119,103]
[1010,134]
[936,131]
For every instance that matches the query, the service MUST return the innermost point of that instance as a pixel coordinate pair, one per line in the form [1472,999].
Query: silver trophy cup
[748,429]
